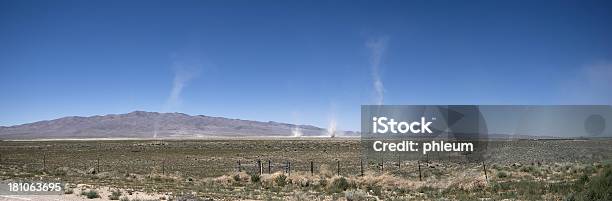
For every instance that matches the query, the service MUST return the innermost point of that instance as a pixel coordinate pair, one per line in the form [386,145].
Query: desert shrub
[323,182]
[497,187]
[189,197]
[236,177]
[338,185]
[532,190]
[90,194]
[596,188]
[281,180]
[124,199]
[161,178]
[68,191]
[325,171]
[289,181]
[425,189]
[528,168]
[317,185]
[502,174]
[374,189]
[356,195]
[589,169]
[301,196]
[561,187]
[255,178]
[583,179]
[533,170]
[570,197]
[114,195]
[138,199]
[400,190]
[496,167]
[58,172]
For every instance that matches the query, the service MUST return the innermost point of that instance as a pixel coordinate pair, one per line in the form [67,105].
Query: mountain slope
[139,124]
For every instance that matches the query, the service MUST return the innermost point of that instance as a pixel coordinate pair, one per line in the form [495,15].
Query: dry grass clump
[115,195]
[162,178]
[386,181]
[233,178]
[325,171]
[469,183]
[304,179]
[327,182]
[270,179]
[356,195]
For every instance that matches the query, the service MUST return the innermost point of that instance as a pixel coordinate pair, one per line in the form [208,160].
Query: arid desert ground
[280,169]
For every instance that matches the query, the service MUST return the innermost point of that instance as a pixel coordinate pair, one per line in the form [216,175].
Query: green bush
[502,174]
[528,168]
[596,188]
[114,195]
[338,185]
[533,170]
[583,179]
[375,189]
[281,180]
[425,189]
[90,194]
[323,182]
[189,197]
[255,178]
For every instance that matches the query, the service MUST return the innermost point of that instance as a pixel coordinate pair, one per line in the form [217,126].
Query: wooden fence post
[163,167]
[98,158]
[44,161]
[239,167]
[361,165]
[399,161]
[484,166]
[338,167]
[382,164]
[98,164]
[289,165]
[311,168]
[269,167]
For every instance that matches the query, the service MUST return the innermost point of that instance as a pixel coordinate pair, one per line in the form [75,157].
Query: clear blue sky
[303,62]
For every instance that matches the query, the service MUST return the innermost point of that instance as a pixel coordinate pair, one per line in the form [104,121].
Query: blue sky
[305,62]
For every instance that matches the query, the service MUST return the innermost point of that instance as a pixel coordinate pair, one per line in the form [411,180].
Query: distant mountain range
[140,124]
